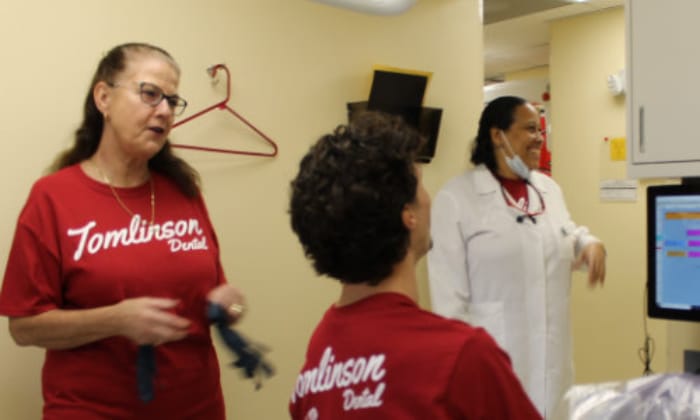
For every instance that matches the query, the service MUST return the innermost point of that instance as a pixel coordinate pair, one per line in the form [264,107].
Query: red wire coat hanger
[223,106]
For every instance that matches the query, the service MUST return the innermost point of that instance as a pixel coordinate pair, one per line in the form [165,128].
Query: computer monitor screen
[673,251]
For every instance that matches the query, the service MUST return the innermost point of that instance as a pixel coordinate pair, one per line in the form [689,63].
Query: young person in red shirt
[114,252]
[362,215]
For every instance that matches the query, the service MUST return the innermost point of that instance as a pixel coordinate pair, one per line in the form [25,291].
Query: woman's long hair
[499,113]
[88,135]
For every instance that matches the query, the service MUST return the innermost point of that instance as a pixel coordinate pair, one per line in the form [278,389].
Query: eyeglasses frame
[175,102]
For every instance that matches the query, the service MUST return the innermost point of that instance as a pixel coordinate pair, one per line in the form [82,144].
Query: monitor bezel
[653,309]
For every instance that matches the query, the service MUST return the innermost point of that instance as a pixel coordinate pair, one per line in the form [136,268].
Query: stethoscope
[526,213]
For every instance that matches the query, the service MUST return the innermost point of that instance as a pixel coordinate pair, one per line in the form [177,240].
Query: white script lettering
[366,400]
[331,374]
[139,231]
[179,245]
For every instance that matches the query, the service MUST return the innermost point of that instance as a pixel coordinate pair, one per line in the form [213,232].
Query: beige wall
[541,72]
[294,65]
[608,322]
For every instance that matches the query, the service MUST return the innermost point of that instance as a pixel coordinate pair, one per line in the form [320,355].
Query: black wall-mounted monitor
[673,251]
[402,94]
[394,91]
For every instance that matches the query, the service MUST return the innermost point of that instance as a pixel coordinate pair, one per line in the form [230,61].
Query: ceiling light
[378,7]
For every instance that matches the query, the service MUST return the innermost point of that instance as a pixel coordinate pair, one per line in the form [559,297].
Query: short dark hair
[347,199]
[499,113]
[88,135]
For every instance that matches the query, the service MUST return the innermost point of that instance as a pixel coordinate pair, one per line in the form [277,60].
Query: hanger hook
[212,73]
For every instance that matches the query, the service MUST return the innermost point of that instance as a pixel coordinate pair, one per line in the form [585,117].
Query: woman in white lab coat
[504,247]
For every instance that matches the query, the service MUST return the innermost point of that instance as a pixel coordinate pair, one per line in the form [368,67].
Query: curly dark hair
[89,134]
[499,113]
[347,199]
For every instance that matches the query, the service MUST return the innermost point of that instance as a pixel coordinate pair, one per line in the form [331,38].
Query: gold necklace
[119,200]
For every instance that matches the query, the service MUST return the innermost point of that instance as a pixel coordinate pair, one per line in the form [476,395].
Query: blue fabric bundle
[250,358]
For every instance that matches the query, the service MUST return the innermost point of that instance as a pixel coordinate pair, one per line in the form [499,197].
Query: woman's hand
[593,255]
[150,320]
[231,298]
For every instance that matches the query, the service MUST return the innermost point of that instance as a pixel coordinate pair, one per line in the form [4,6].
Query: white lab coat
[513,279]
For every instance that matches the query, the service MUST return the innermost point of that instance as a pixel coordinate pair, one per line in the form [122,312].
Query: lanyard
[524,208]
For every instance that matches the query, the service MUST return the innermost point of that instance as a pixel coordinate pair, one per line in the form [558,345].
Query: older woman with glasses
[504,247]
[114,253]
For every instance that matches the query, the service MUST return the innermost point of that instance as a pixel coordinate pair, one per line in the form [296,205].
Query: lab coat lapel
[484,181]
[490,200]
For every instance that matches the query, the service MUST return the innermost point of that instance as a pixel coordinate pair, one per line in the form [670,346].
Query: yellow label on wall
[618,148]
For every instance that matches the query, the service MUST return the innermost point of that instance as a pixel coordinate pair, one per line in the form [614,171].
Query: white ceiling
[516,32]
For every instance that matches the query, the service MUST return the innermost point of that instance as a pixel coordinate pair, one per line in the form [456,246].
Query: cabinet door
[663,70]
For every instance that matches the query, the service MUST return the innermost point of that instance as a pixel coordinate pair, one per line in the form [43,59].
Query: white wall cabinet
[663,91]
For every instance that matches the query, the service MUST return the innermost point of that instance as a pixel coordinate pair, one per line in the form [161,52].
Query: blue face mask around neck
[515,163]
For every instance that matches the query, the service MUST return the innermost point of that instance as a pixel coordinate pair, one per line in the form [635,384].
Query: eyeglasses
[152,95]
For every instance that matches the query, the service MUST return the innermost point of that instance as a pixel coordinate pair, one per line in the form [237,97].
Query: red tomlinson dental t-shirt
[76,247]
[385,358]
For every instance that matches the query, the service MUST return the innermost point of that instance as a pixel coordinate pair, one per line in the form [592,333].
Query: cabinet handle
[641,129]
